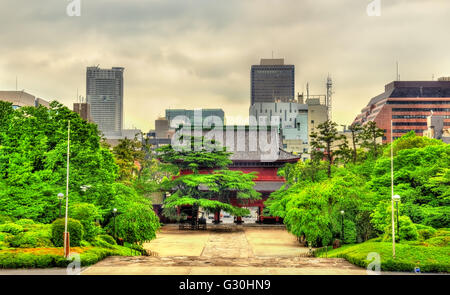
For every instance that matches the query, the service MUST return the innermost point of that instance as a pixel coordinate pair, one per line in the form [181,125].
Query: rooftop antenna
[398,72]
[307,90]
[432,77]
[329,95]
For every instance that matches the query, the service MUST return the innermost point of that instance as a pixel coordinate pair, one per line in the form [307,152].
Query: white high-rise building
[104,93]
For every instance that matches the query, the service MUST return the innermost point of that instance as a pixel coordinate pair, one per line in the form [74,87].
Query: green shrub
[85,244]
[441,241]
[408,230]
[442,232]
[4,236]
[6,219]
[428,258]
[33,260]
[349,232]
[11,228]
[23,222]
[32,239]
[107,238]
[425,234]
[87,214]
[98,242]
[74,228]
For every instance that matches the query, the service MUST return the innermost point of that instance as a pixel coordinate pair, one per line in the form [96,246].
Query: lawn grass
[428,259]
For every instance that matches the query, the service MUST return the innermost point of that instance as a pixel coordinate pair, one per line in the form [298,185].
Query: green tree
[212,191]
[128,155]
[322,142]
[33,162]
[355,129]
[370,134]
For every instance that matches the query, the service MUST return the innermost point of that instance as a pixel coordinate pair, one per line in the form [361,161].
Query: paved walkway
[250,251]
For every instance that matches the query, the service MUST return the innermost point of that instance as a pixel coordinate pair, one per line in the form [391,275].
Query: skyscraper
[104,92]
[272,81]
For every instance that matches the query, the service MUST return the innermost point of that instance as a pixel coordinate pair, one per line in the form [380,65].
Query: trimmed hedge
[429,259]
[74,228]
[27,259]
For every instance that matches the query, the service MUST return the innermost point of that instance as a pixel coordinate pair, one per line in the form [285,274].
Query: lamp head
[60,196]
[115,210]
[342,212]
[396,198]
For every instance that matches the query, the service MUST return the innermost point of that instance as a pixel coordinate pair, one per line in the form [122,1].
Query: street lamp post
[392,194]
[60,197]
[342,225]
[66,234]
[114,217]
[397,200]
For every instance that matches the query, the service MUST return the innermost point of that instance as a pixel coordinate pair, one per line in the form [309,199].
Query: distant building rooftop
[22,99]
[272,61]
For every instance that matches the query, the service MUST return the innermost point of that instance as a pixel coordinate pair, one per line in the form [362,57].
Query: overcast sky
[198,53]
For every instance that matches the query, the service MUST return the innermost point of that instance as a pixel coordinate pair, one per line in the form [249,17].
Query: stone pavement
[249,251]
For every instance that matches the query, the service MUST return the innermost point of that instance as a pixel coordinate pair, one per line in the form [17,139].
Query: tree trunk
[354,147]
[330,159]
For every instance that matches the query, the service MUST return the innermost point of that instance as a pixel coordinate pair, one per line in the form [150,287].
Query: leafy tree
[129,156]
[212,191]
[370,134]
[322,142]
[343,153]
[33,162]
[355,129]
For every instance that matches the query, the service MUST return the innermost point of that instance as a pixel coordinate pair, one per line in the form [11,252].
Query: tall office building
[104,92]
[272,81]
[408,104]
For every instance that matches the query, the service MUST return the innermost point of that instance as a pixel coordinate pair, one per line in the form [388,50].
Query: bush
[6,219]
[37,258]
[87,214]
[429,259]
[3,245]
[441,241]
[11,228]
[74,228]
[349,232]
[107,238]
[24,222]
[98,242]
[425,232]
[137,224]
[442,232]
[32,239]
[4,236]
[408,230]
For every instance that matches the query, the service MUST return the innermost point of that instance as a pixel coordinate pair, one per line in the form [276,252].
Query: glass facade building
[272,81]
[104,92]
